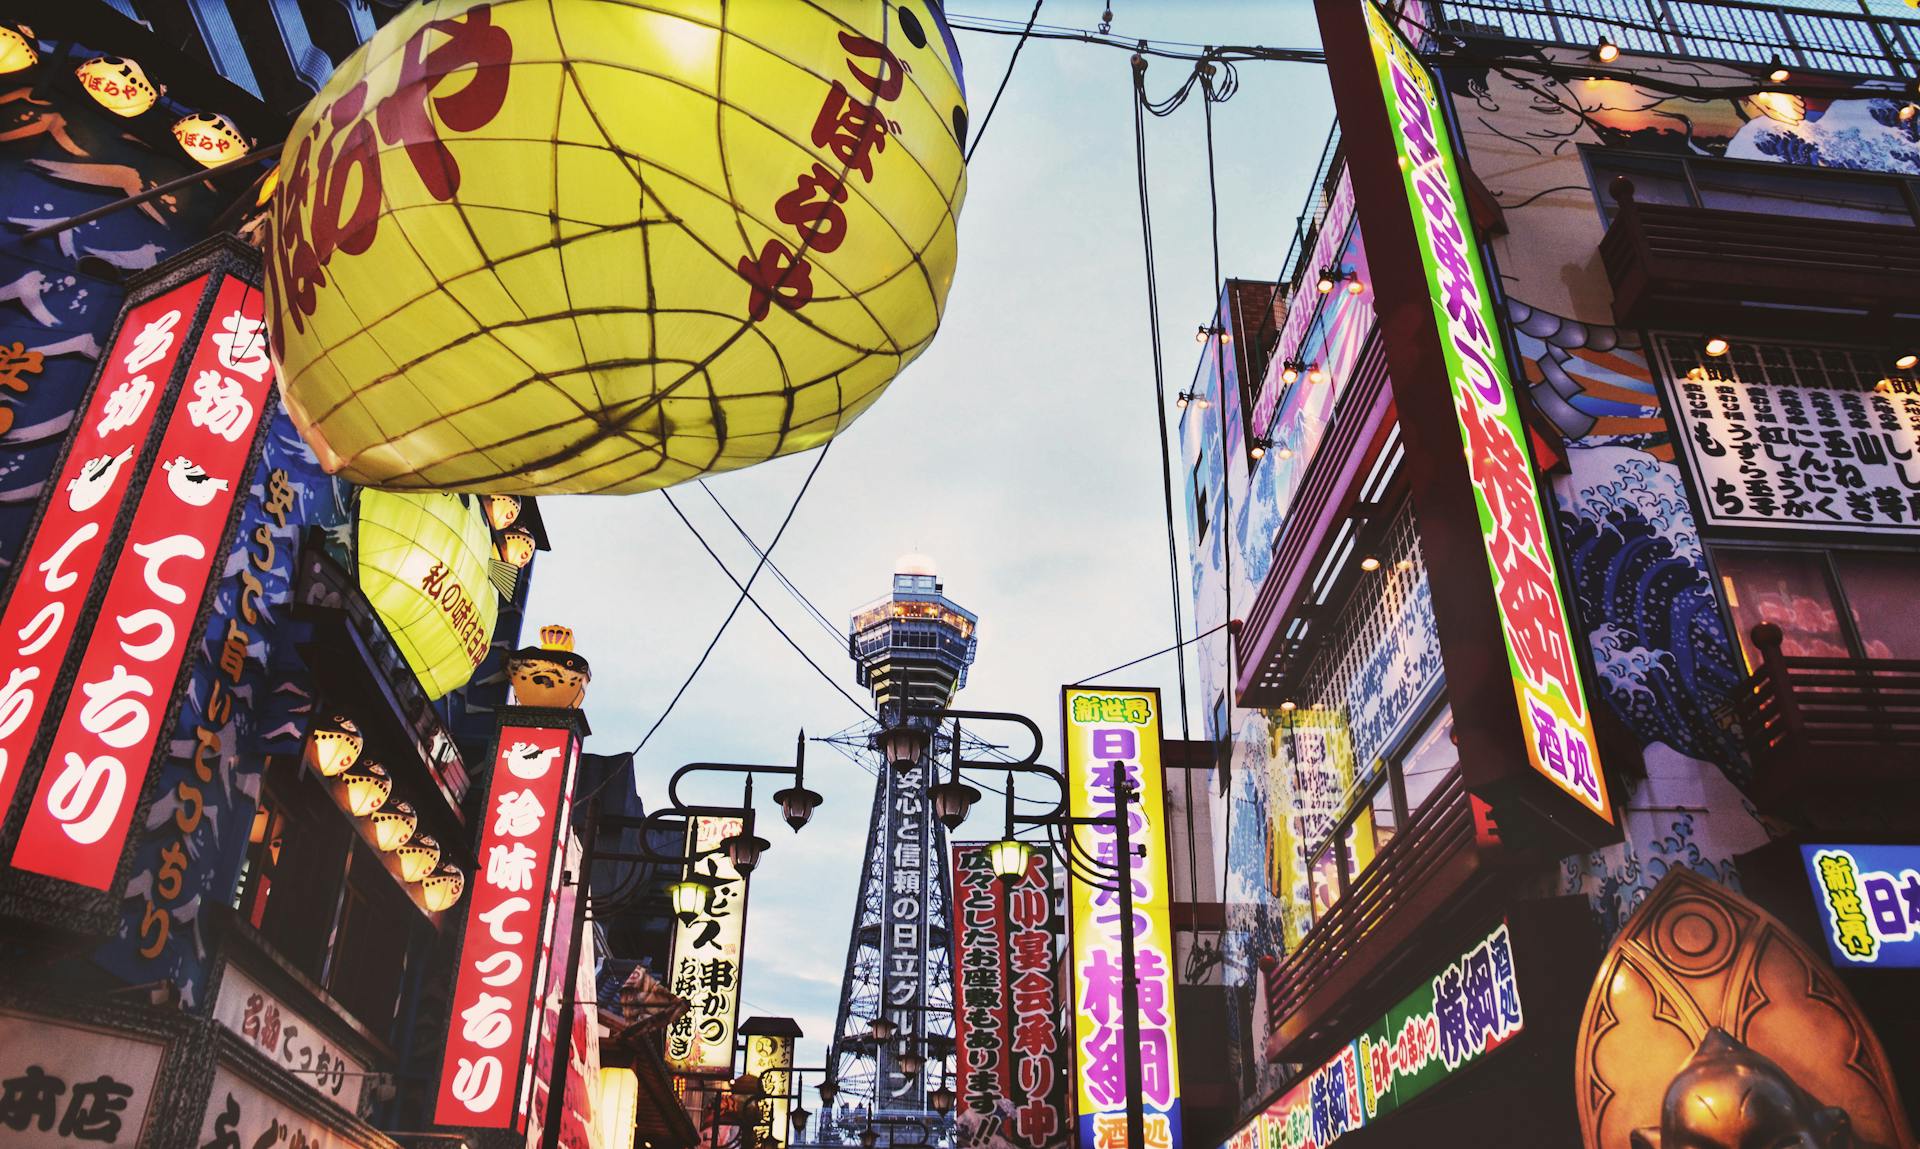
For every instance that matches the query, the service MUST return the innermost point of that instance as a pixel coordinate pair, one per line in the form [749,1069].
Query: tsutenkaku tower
[911,649]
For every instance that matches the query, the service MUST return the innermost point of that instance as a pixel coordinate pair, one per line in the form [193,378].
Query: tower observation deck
[911,649]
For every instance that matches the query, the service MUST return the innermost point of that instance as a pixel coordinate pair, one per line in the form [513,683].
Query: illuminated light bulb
[1285,452]
[367,787]
[442,890]
[117,85]
[418,857]
[1257,448]
[210,138]
[1325,284]
[1289,371]
[335,747]
[1716,347]
[516,548]
[393,826]
[1403,565]
[1606,51]
[16,52]
[502,510]
[1355,287]
[1370,564]
[1777,72]
[1009,857]
[1908,361]
[1316,374]
[1288,705]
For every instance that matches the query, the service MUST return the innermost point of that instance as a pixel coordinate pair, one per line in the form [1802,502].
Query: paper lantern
[502,510]
[516,549]
[590,246]
[618,1108]
[418,857]
[117,85]
[366,786]
[442,890]
[16,51]
[393,826]
[335,747]
[210,138]
[423,565]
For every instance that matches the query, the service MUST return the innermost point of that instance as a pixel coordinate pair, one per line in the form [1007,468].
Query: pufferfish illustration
[190,482]
[550,674]
[96,478]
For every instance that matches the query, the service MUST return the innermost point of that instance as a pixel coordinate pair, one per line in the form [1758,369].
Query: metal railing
[1847,36]
[1795,708]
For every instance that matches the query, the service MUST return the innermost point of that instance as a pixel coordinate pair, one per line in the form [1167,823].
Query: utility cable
[1156,654]
[718,633]
[778,629]
[839,636]
[1161,49]
[981,132]
[1159,372]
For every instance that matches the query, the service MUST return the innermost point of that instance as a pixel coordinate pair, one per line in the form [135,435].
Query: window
[1398,789]
[1827,603]
[1738,185]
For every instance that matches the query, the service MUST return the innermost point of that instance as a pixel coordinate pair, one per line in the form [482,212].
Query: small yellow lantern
[418,857]
[393,826]
[367,786]
[335,747]
[516,548]
[117,85]
[596,246]
[550,674]
[16,51]
[502,510]
[442,890]
[210,138]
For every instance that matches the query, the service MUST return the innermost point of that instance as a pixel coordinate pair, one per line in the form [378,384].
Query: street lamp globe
[800,1115]
[882,1029]
[952,801]
[797,804]
[941,1099]
[744,851]
[688,896]
[829,1089]
[910,1062]
[1010,857]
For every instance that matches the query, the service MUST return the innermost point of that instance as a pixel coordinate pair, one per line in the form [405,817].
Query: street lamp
[941,1099]
[829,1089]
[882,1029]
[689,896]
[1010,857]
[910,1061]
[953,799]
[797,803]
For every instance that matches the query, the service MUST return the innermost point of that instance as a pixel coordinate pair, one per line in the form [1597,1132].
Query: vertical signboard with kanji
[706,958]
[106,736]
[1102,729]
[770,1058]
[486,1071]
[1009,1052]
[1484,526]
[905,875]
[43,613]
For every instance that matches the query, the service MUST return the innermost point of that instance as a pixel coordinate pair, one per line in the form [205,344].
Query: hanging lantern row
[363,787]
[120,85]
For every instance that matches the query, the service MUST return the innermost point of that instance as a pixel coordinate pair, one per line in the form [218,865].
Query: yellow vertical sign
[706,958]
[1101,728]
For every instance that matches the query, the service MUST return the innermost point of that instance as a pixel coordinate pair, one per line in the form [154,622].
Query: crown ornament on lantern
[550,674]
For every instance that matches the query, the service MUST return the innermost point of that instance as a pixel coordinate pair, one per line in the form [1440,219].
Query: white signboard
[68,1085]
[289,1039]
[1770,454]
[241,1113]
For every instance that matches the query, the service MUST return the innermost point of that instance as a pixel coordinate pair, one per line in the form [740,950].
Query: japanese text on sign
[1868,898]
[904,870]
[60,565]
[1467,1009]
[1513,527]
[707,957]
[1784,457]
[105,741]
[65,1085]
[509,931]
[1105,728]
[290,1040]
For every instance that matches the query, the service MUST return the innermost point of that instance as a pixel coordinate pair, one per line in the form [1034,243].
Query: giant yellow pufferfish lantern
[549,246]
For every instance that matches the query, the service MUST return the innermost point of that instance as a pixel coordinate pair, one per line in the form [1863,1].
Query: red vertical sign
[42,616]
[484,1080]
[1012,1080]
[118,704]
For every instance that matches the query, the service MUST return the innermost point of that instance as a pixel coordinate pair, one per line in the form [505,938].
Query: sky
[1021,451]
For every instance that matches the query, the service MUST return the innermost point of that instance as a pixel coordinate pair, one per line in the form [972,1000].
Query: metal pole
[1129,982]
[154,192]
[563,1029]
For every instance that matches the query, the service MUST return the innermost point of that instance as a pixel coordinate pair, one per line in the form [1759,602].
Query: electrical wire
[1156,654]
[1159,373]
[718,633]
[839,636]
[781,631]
[981,132]
[1159,49]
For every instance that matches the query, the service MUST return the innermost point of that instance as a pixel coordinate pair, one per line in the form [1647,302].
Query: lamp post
[689,894]
[1010,857]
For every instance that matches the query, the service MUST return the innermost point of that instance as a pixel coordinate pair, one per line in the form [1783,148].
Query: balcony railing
[1813,35]
[1412,876]
[1812,723]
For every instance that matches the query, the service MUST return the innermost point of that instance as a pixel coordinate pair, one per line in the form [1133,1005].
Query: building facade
[1683,225]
